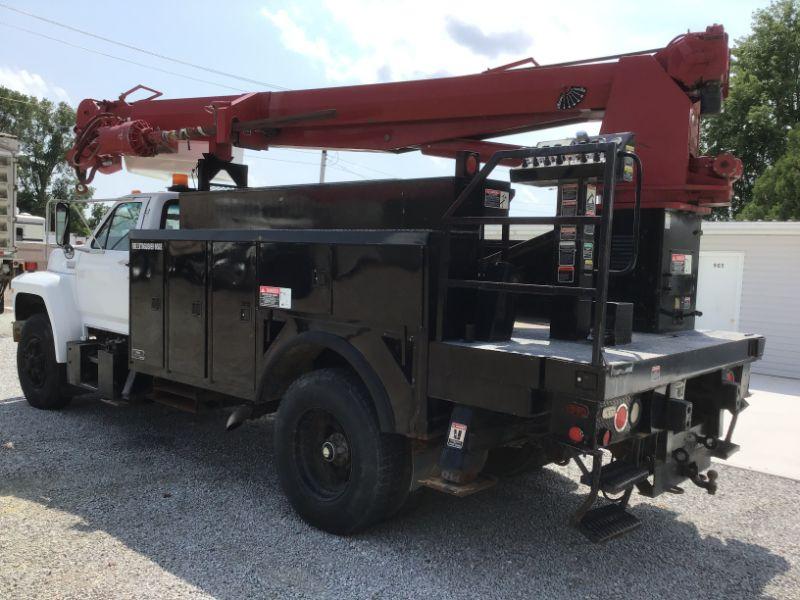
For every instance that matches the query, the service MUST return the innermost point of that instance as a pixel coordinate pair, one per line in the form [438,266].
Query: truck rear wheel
[340,473]
[43,380]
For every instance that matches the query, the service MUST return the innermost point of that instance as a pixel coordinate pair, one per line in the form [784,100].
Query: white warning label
[455,439]
[274,297]
[495,199]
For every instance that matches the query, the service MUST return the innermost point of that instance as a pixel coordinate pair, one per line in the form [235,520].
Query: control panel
[548,171]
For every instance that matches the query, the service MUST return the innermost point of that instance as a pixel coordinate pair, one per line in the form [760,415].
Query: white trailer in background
[9,146]
[22,235]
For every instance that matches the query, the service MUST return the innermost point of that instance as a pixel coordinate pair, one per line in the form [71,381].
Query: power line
[283,160]
[142,50]
[15,100]
[362,166]
[119,58]
[338,158]
[303,162]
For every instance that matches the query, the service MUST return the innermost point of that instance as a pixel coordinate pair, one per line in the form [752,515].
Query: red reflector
[621,417]
[30,266]
[605,437]
[577,410]
[731,377]
[472,164]
[575,434]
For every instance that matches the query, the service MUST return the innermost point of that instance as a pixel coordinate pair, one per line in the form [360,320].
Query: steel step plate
[607,522]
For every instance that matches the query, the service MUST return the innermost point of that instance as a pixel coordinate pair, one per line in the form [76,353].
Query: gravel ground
[102,502]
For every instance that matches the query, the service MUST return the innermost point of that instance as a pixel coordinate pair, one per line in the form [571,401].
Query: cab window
[113,235]
[171,215]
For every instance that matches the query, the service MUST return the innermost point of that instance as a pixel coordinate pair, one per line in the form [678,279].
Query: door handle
[123,263]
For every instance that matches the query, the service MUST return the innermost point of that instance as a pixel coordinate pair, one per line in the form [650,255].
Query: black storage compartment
[663,287]
[205,303]
[233,314]
[147,304]
[387,204]
[305,269]
[186,307]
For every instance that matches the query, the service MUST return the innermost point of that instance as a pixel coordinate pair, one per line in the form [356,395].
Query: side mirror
[62,224]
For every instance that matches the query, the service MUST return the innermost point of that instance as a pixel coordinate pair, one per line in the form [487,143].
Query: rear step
[459,489]
[618,477]
[607,522]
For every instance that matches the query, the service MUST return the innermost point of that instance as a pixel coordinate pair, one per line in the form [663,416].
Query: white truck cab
[85,287]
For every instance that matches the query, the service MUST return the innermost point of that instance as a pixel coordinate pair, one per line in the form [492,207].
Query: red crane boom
[658,95]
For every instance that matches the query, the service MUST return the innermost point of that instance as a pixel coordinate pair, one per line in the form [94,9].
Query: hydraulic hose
[637,211]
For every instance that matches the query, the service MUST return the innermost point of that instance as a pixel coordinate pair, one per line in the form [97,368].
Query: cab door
[101,268]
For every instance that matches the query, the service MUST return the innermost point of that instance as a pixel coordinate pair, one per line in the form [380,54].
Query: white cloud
[32,84]
[362,41]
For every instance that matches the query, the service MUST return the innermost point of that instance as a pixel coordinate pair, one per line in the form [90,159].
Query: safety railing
[554,167]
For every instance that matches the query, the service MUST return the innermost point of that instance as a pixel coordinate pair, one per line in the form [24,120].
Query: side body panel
[235,300]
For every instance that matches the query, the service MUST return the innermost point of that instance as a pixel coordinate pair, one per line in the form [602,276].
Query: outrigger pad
[607,522]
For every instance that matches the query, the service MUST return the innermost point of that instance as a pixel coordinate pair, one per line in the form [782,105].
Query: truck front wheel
[340,473]
[43,380]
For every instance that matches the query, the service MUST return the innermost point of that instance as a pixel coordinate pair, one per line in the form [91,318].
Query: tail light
[635,412]
[30,266]
[575,434]
[605,437]
[621,417]
[581,411]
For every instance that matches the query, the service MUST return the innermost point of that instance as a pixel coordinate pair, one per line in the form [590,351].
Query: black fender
[291,359]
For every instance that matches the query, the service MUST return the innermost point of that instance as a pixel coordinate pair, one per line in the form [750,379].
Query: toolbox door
[233,305]
[147,304]
[186,316]
[295,276]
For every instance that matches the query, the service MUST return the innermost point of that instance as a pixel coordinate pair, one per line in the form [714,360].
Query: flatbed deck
[533,339]
[507,375]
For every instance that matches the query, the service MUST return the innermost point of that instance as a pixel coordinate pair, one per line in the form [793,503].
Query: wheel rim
[34,362]
[322,454]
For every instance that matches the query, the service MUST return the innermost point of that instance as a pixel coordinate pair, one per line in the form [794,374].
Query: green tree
[776,193]
[763,106]
[45,133]
[96,213]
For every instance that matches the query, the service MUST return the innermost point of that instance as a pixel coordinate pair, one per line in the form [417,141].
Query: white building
[749,276]
[750,281]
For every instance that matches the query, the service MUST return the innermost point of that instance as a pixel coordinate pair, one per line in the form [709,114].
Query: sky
[305,44]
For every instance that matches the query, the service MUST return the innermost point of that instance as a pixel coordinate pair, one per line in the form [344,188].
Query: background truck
[22,236]
[399,345]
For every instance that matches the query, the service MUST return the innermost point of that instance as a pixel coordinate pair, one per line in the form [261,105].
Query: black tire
[340,473]
[43,380]
[511,461]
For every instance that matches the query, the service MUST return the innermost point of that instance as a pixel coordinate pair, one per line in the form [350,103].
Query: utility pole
[323,161]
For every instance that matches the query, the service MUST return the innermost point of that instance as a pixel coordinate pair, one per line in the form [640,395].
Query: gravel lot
[101,502]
